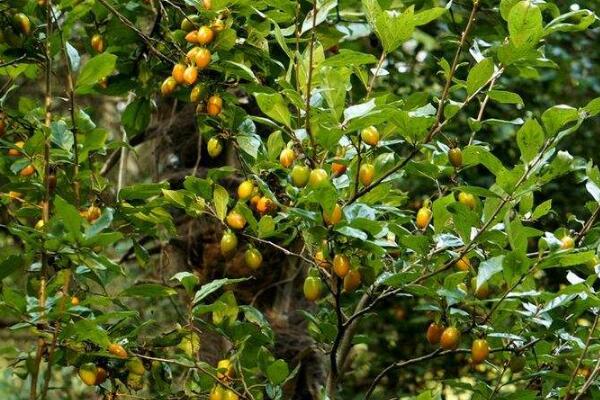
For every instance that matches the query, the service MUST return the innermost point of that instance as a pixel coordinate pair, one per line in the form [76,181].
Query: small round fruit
[97,42]
[190,75]
[255,200]
[567,242]
[23,23]
[136,366]
[214,147]
[191,54]
[337,169]
[317,178]
[450,338]
[287,157]
[467,199]
[117,350]
[352,281]
[229,243]
[189,23]
[434,333]
[312,288]
[245,190]
[341,265]
[87,374]
[423,218]
[178,72]
[207,4]
[15,152]
[320,259]
[455,157]
[235,220]
[265,205]
[253,258]
[335,216]
[196,93]
[101,375]
[93,213]
[230,395]
[39,225]
[225,370]
[480,351]
[366,174]
[482,292]
[214,106]
[192,37]
[300,175]
[27,171]
[217,26]
[74,301]
[463,264]
[205,35]
[370,136]
[217,393]
[202,58]
[168,86]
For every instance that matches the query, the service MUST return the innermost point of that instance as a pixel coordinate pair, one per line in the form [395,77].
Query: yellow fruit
[312,288]
[214,106]
[434,333]
[265,205]
[168,86]
[230,395]
[217,393]
[455,157]
[253,258]
[97,43]
[23,23]
[136,366]
[117,350]
[480,351]
[229,243]
[40,225]
[366,174]
[287,157]
[450,338]
[214,147]
[196,93]
[467,199]
[321,260]
[205,35]
[225,370]
[235,220]
[335,216]
[93,213]
[217,26]
[190,75]
[352,280]
[567,242]
[463,264]
[423,218]
[87,374]
[341,265]
[245,190]
[300,175]
[74,301]
[317,178]
[202,58]
[178,72]
[370,136]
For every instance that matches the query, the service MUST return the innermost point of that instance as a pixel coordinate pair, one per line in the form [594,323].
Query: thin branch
[310,76]
[581,357]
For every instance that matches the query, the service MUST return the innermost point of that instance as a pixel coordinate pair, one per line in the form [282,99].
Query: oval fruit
[168,86]
[317,178]
[217,25]
[101,375]
[27,171]
[320,259]
[93,213]
[74,301]
[23,23]
[463,264]
[370,136]
[312,288]
[335,216]
[214,106]
[225,369]
[450,338]
[366,174]
[229,243]
[189,23]
[265,205]
[205,35]
[287,157]
[196,93]
[338,169]
[207,4]
[480,351]
[136,366]
[230,395]
[300,175]
[214,147]
[117,350]
[352,280]
[235,220]
[217,393]
[341,265]
[190,75]
[178,72]
[87,374]
[202,58]
[15,152]
[245,190]
[253,258]
[455,157]
[482,292]
[467,199]
[434,333]
[423,218]
[192,37]
[97,42]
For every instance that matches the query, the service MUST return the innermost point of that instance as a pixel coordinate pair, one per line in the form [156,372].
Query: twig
[310,76]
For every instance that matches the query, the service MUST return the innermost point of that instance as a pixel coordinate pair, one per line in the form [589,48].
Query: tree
[291,156]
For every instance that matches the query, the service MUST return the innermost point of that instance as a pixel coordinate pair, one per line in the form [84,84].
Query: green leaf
[488,268]
[556,117]
[525,24]
[479,75]
[148,290]
[213,286]
[348,57]
[277,372]
[68,215]
[61,136]
[96,68]
[273,105]
[187,279]
[593,107]
[136,117]
[504,97]
[87,330]
[530,139]
[142,191]
[221,199]
[392,29]
[11,264]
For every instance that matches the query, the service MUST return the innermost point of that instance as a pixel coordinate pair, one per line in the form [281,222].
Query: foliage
[375,171]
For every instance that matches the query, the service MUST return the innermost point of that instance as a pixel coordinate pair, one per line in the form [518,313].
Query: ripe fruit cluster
[449,339]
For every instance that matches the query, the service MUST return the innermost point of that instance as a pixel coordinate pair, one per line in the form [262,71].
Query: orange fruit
[434,333]
[202,58]
[450,338]
[335,216]
[117,350]
[370,136]
[214,106]
[480,351]
[265,205]
[235,220]
[190,75]
[337,169]
[463,264]
[287,157]
[366,174]
[178,72]
[97,43]
[341,265]
[168,86]
[27,171]
[15,152]
[205,35]
[352,280]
